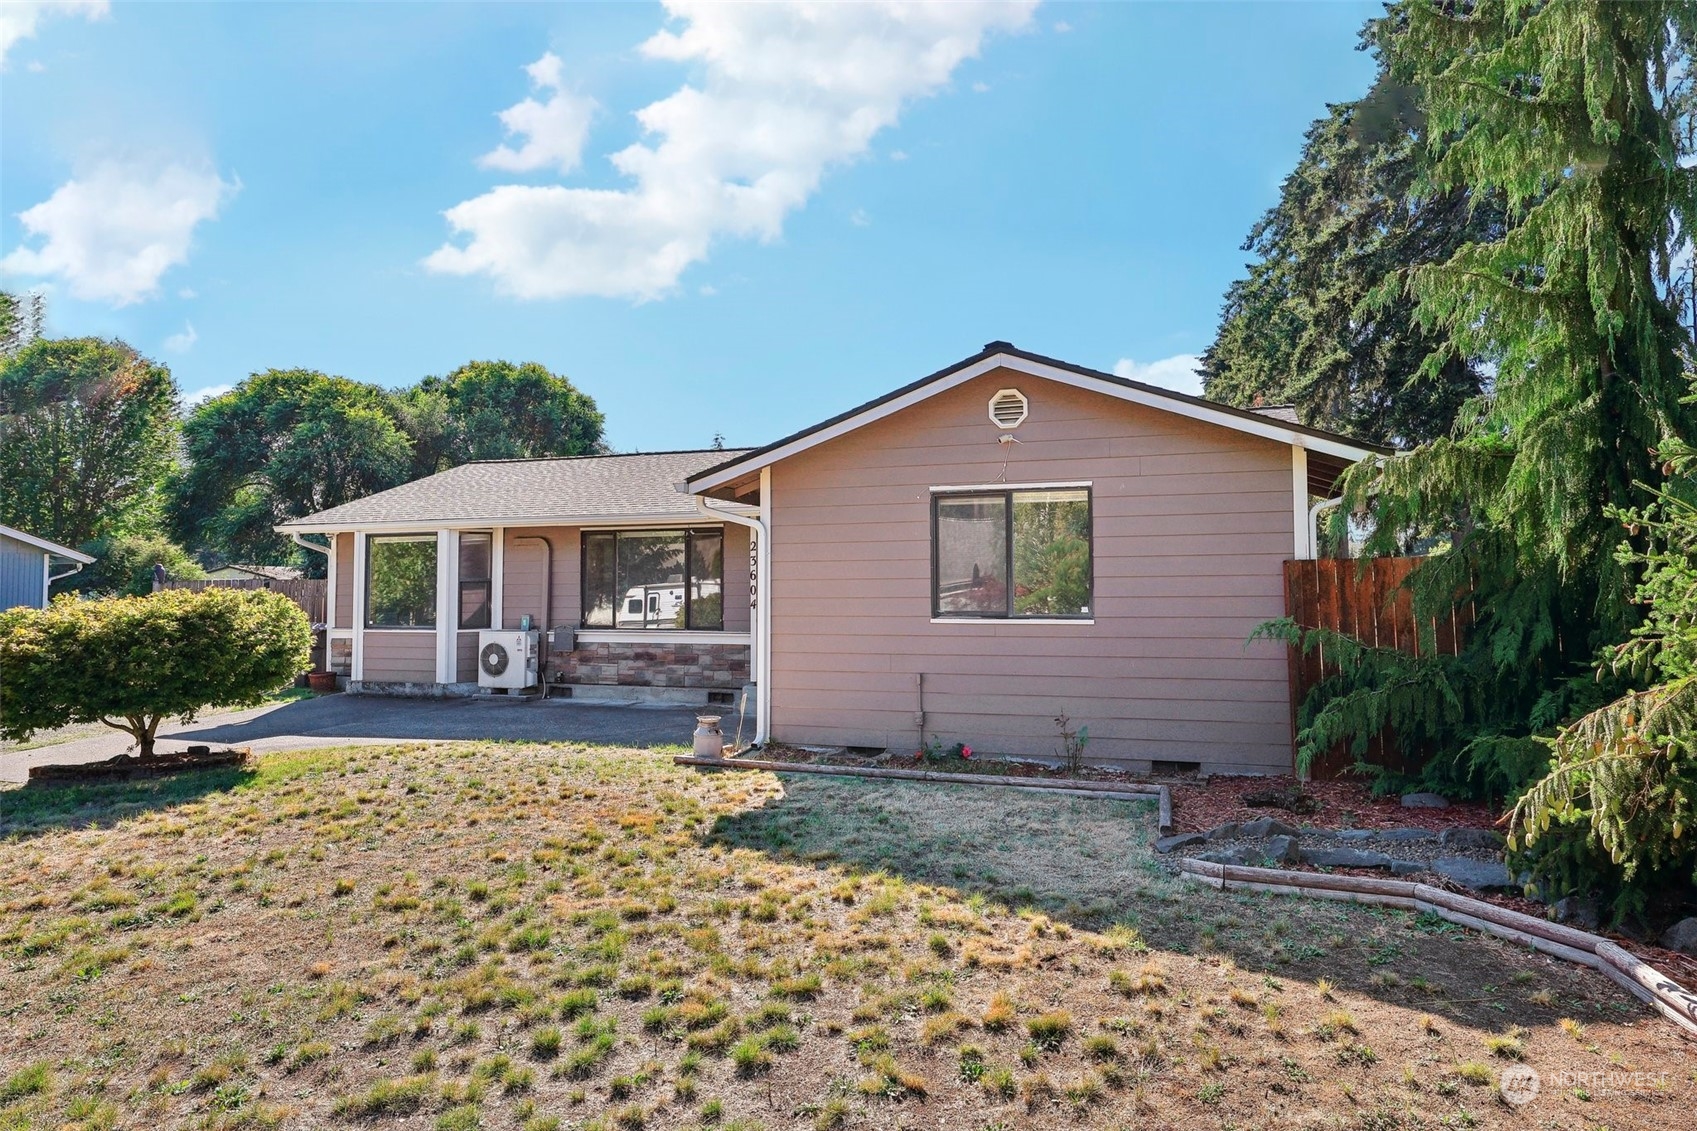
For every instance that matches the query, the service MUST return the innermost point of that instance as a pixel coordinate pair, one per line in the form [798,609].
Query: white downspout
[760,659]
[1314,524]
[76,567]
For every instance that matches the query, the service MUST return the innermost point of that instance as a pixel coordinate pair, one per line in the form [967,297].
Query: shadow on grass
[1090,864]
[35,809]
[1083,861]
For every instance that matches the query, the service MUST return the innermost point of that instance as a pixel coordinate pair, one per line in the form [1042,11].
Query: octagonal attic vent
[1008,408]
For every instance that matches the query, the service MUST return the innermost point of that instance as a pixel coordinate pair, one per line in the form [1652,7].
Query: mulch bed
[124,767]
[1202,805]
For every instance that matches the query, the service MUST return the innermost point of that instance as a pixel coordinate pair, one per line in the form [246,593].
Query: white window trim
[362,575]
[998,622]
[966,487]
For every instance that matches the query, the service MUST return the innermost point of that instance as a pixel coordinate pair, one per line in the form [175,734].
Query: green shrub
[137,661]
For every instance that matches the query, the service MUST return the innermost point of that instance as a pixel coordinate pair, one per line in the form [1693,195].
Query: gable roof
[52,549]
[565,491]
[999,355]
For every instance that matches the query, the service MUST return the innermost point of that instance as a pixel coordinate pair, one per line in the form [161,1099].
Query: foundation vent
[1008,408]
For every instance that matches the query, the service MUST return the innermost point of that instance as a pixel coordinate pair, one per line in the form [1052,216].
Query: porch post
[1299,501]
[447,607]
[360,555]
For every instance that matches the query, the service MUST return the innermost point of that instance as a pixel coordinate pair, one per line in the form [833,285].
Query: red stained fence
[1368,601]
[311,594]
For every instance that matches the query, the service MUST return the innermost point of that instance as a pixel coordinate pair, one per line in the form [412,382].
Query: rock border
[131,767]
[1107,791]
[1642,980]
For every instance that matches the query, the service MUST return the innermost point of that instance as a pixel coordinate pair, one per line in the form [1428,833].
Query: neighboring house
[233,572]
[1007,541]
[657,589]
[29,566]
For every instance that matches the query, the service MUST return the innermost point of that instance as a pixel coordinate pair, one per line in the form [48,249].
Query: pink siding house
[1014,539]
[1006,541]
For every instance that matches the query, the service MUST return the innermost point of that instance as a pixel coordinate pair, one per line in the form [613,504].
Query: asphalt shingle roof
[515,492]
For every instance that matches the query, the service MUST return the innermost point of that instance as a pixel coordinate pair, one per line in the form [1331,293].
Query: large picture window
[1013,553]
[400,588]
[474,580]
[645,579]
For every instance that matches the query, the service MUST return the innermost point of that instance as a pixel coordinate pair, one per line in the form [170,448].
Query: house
[1003,543]
[27,568]
[605,545]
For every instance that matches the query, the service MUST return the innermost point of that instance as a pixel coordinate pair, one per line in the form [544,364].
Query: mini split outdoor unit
[507,658]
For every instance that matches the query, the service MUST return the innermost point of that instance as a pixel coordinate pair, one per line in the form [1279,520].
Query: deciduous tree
[283,443]
[86,430]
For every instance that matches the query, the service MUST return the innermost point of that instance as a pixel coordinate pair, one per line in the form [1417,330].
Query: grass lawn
[535,937]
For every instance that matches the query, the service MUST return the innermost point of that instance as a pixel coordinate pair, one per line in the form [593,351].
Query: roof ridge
[602,455]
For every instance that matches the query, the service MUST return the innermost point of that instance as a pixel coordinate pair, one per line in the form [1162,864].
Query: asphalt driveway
[338,720]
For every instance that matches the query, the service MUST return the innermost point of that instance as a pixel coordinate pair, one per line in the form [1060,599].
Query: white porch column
[360,557]
[447,603]
[1299,502]
[497,577]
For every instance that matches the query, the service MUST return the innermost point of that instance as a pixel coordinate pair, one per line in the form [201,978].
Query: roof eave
[1036,365]
[388,526]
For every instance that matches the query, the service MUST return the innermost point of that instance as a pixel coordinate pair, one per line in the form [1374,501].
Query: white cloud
[1062,26]
[981,88]
[184,341]
[18,18]
[113,234]
[201,396]
[898,155]
[554,130]
[860,218]
[188,292]
[1178,373]
[787,91]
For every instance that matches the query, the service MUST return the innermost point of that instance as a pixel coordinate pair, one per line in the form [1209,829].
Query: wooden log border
[1638,978]
[1106,791]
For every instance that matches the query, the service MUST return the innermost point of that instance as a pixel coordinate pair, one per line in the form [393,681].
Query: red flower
[966,751]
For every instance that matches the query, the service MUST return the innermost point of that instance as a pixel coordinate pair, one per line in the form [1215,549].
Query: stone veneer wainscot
[714,666]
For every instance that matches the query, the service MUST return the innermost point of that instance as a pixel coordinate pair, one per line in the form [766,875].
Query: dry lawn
[547,937]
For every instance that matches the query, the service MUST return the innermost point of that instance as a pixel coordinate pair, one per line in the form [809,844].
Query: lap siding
[1192,523]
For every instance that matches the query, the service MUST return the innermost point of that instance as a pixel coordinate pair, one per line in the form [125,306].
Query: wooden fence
[311,594]
[1370,602]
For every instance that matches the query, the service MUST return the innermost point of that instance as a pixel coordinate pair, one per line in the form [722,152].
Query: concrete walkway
[341,720]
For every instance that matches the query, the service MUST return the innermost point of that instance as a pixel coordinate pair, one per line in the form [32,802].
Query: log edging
[1637,977]
[1106,791]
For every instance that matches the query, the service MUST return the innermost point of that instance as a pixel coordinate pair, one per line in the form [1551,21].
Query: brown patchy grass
[549,937]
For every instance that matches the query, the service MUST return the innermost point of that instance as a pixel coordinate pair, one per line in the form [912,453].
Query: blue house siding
[21,574]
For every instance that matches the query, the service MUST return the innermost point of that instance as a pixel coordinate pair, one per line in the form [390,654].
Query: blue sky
[814,206]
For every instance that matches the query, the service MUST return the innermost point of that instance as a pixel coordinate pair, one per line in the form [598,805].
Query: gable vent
[1008,408]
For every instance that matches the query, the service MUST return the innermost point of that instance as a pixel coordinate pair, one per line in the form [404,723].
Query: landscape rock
[1223,856]
[1344,858]
[1354,835]
[1227,831]
[1283,850]
[1182,840]
[1682,936]
[1472,838]
[1479,875]
[1267,826]
[1406,867]
[1404,836]
[1580,912]
[1425,801]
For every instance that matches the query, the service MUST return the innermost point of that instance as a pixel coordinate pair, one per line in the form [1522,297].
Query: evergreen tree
[496,410]
[1572,115]
[1322,321]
